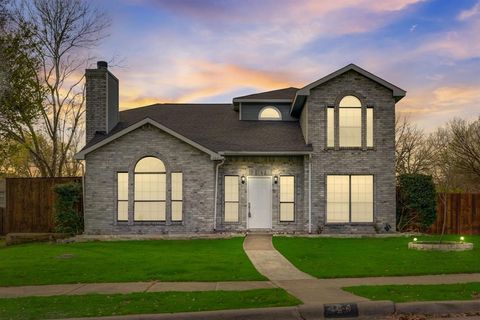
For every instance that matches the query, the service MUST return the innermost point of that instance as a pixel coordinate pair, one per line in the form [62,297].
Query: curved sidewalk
[313,291]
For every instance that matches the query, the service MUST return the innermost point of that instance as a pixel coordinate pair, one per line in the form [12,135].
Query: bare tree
[62,31]
[413,155]
[465,145]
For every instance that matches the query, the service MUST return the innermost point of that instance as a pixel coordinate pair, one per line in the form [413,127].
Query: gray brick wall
[96,98]
[101,101]
[264,166]
[122,155]
[379,161]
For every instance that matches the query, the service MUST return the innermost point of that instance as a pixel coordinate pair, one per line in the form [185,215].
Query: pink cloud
[469,13]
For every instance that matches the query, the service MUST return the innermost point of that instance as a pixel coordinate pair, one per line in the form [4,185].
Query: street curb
[438,307]
[278,313]
[366,309]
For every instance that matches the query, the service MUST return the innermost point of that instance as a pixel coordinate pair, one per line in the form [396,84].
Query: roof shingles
[216,127]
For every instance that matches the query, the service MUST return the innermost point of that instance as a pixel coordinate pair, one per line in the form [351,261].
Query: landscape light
[462,238]
[415,239]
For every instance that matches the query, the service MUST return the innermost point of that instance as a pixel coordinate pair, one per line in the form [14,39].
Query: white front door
[259,208]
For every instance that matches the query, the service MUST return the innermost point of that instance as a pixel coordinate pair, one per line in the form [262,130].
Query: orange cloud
[446,99]
[195,80]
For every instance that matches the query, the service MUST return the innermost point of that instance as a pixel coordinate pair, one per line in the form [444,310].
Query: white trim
[213,155]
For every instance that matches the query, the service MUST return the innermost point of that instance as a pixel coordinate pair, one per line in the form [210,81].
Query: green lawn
[406,293]
[362,257]
[95,305]
[123,261]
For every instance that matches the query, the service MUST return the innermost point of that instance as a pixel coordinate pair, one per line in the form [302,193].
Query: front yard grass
[407,293]
[364,257]
[96,305]
[125,261]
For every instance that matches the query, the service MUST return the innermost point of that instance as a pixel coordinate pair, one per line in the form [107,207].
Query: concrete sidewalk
[313,291]
[129,287]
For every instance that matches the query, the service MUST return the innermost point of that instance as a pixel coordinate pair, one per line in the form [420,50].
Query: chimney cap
[102,65]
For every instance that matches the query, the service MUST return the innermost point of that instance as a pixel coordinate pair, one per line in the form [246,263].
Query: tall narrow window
[362,198]
[330,127]
[349,198]
[150,190]
[350,122]
[287,198]
[177,196]
[369,127]
[231,198]
[122,196]
[338,199]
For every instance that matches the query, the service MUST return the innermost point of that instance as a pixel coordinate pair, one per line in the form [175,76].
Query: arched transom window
[349,125]
[150,190]
[269,113]
[350,122]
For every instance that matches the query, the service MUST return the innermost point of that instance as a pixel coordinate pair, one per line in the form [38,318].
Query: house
[305,160]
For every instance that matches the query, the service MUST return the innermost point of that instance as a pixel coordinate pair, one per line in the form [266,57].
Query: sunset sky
[211,51]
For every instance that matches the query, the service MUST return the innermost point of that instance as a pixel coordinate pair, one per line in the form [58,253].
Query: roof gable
[81,155]
[301,94]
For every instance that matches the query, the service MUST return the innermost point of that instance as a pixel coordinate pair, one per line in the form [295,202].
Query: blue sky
[212,50]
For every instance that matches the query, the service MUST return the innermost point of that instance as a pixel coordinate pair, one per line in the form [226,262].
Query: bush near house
[68,217]
[416,202]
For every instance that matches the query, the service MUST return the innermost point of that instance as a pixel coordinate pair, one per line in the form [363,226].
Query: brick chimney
[101,100]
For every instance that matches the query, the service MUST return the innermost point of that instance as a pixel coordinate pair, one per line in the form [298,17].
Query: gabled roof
[279,95]
[213,128]
[301,94]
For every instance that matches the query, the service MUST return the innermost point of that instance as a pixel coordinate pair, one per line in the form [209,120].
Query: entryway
[259,205]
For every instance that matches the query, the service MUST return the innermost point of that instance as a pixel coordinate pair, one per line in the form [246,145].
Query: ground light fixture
[462,238]
[415,239]
[243,179]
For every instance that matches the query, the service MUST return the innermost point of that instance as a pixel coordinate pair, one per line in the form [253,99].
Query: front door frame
[270,178]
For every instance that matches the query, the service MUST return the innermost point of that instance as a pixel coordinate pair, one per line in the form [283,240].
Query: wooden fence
[30,204]
[2,221]
[463,213]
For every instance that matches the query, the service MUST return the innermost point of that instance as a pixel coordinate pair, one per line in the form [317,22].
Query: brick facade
[380,161]
[198,169]
[264,166]
[121,155]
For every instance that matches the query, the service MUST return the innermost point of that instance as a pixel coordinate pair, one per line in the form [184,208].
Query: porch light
[243,179]
[275,179]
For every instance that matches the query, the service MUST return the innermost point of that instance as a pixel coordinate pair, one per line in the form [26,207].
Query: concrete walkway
[312,291]
[129,287]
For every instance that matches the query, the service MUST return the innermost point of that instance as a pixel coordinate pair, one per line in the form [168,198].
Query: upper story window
[269,113]
[350,128]
[350,122]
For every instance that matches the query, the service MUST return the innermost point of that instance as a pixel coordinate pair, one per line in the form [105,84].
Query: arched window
[150,190]
[350,122]
[269,113]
